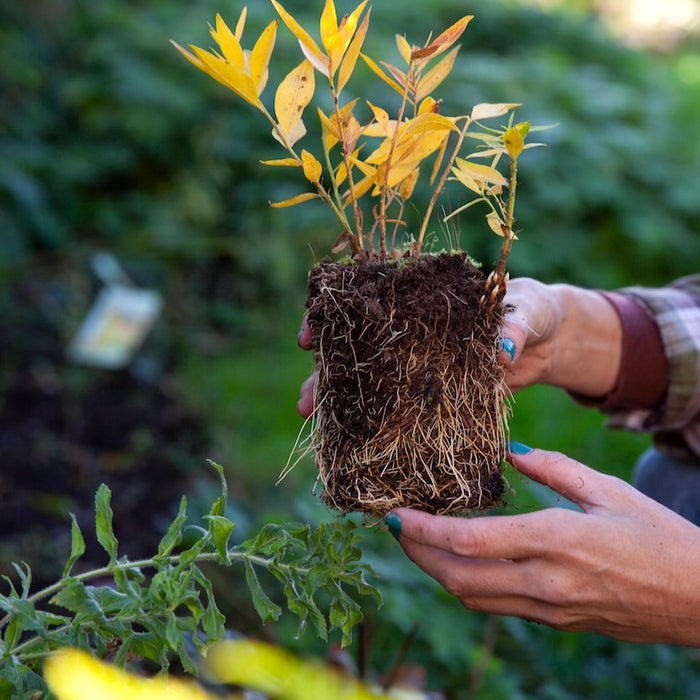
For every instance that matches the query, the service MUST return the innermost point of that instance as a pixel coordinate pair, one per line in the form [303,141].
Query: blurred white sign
[115,326]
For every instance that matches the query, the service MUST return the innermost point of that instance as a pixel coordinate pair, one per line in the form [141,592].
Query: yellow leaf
[343,127]
[260,56]
[292,97]
[329,25]
[282,162]
[436,75]
[348,65]
[408,184]
[445,40]
[389,81]
[481,172]
[229,75]
[382,118]
[297,133]
[312,167]
[275,671]
[304,197]
[429,105]
[312,52]
[229,45]
[495,224]
[404,48]
[75,675]
[240,25]
[487,111]
[346,30]
[514,143]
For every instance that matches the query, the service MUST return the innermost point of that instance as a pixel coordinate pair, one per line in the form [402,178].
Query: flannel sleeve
[674,417]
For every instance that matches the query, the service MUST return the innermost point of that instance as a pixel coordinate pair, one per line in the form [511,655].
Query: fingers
[584,486]
[305,338]
[487,537]
[305,404]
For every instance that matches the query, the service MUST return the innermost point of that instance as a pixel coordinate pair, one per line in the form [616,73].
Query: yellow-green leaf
[292,97]
[260,56]
[304,197]
[312,167]
[436,75]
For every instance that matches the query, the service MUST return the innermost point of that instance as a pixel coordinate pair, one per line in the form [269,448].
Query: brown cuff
[642,380]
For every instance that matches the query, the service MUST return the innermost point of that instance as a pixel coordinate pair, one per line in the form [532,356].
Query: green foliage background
[110,141]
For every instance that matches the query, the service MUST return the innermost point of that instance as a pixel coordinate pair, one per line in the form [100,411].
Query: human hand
[552,333]
[561,335]
[305,404]
[626,566]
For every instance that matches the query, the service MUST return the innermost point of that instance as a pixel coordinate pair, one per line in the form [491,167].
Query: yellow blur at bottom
[75,675]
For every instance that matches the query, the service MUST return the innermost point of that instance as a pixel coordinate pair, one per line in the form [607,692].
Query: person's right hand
[561,335]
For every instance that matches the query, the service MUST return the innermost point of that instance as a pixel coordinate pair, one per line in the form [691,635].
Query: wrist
[586,349]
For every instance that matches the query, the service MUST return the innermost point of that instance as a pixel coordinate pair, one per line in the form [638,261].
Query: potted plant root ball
[410,401]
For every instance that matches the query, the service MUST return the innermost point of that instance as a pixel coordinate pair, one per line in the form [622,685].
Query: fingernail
[393,522]
[508,346]
[518,448]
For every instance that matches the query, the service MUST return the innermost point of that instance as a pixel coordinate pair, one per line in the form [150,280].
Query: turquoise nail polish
[517,448]
[508,346]
[393,522]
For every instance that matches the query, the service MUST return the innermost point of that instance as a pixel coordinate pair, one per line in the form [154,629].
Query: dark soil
[410,395]
[64,430]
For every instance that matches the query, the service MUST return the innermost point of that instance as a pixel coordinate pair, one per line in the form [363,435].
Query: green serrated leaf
[268,610]
[77,546]
[103,522]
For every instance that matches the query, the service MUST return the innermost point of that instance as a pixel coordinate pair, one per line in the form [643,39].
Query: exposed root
[410,404]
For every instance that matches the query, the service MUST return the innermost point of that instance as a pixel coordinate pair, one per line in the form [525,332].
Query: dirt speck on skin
[410,399]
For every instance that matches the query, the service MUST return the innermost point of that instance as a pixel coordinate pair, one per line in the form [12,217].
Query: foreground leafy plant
[127,614]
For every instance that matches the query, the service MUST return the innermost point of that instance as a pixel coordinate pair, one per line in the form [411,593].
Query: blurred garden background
[113,148]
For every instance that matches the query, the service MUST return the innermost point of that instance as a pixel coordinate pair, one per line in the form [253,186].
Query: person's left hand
[625,566]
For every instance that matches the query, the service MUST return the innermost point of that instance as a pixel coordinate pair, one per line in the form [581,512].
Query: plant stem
[508,235]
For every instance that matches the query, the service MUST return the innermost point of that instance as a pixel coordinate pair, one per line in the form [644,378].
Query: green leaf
[219,505]
[267,610]
[77,546]
[220,529]
[103,522]
[173,535]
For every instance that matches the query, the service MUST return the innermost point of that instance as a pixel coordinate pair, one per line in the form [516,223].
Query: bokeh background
[111,144]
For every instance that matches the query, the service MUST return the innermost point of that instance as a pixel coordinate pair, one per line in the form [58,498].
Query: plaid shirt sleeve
[676,311]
